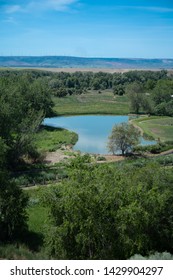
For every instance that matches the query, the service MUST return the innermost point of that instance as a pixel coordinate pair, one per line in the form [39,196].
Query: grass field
[37,213]
[105,102]
[156,127]
[92,102]
[51,139]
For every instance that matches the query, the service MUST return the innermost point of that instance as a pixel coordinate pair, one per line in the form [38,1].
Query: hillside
[81,62]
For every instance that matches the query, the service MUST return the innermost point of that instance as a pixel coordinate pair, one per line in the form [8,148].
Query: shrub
[155,256]
[13,203]
[21,252]
[165,160]
[155,149]
[101,158]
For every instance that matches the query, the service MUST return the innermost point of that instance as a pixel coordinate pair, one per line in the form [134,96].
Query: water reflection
[93,131]
[92,144]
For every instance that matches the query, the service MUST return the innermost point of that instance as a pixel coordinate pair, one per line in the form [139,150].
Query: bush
[13,203]
[155,149]
[129,208]
[155,256]
[19,252]
[147,136]
[165,160]
[101,158]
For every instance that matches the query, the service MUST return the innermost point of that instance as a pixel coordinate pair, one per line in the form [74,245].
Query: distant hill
[81,62]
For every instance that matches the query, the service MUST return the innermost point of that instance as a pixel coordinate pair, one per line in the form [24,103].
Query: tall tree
[23,104]
[13,216]
[123,137]
[162,92]
[134,91]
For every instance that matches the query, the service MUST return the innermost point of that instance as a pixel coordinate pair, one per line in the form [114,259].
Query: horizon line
[88,57]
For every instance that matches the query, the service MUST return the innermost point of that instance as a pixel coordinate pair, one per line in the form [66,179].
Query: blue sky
[109,28]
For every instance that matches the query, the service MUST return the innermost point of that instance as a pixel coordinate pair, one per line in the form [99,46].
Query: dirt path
[111,158]
[169,152]
[54,157]
[138,127]
[59,155]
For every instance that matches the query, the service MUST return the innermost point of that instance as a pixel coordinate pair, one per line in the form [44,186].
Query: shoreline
[62,153]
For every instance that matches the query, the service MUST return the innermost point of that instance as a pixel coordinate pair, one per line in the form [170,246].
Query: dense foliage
[13,204]
[103,212]
[148,91]
[97,211]
[24,102]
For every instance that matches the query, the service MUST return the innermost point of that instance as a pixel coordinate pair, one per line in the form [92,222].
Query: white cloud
[40,5]
[60,4]
[157,9]
[161,9]
[12,9]
[57,5]
[148,8]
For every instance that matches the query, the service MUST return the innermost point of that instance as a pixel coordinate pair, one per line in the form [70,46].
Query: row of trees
[148,91]
[78,82]
[158,101]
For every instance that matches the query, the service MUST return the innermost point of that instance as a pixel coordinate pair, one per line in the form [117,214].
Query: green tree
[24,102]
[3,151]
[119,90]
[123,138]
[108,212]
[162,91]
[162,98]
[13,217]
[96,84]
[169,108]
[150,84]
[138,99]
[134,91]
[83,221]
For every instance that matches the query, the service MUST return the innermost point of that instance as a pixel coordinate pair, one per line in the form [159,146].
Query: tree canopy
[103,212]
[162,98]
[13,203]
[24,102]
[123,138]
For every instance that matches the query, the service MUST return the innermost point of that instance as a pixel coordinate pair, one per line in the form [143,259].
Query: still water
[92,130]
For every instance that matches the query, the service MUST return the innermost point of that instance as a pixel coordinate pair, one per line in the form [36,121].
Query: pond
[92,130]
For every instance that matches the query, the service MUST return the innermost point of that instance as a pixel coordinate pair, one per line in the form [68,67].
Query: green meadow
[156,127]
[105,102]
[51,139]
[92,102]
[37,213]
